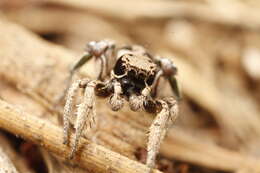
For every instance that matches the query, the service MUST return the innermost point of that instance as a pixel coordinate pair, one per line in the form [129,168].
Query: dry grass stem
[43,133]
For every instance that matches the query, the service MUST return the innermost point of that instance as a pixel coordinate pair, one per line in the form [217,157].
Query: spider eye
[142,76]
[131,74]
[119,68]
[150,80]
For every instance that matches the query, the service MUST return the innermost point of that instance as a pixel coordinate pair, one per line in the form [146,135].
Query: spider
[133,77]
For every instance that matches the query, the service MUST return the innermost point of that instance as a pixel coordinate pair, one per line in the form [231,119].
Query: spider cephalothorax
[134,78]
[134,72]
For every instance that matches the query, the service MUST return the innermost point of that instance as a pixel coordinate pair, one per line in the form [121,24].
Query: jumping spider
[134,78]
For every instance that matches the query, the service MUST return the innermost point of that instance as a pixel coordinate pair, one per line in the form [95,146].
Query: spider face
[134,73]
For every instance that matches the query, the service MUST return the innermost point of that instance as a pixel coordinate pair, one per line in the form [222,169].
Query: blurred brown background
[214,43]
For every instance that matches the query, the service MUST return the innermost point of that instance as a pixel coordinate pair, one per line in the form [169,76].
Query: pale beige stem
[49,136]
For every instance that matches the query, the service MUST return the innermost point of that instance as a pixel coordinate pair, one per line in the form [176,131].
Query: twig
[49,136]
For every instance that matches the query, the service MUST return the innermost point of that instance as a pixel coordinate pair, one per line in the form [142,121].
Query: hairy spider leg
[68,109]
[158,129]
[69,105]
[85,114]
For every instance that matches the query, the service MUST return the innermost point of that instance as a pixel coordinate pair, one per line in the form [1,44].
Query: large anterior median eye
[119,68]
[131,74]
[150,80]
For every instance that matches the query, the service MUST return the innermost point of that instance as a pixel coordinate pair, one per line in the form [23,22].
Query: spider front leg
[68,109]
[85,111]
[158,129]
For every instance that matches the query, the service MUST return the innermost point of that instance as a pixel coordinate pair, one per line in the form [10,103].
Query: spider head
[135,72]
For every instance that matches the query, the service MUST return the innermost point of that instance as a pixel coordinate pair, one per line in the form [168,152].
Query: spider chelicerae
[133,77]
